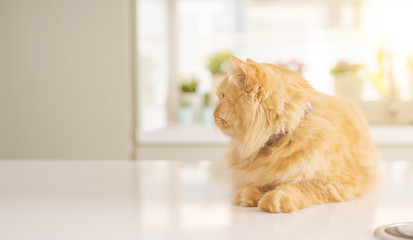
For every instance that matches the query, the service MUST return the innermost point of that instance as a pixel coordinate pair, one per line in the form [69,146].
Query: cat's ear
[250,60]
[249,71]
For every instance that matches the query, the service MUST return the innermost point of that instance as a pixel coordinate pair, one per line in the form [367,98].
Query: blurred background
[136,79]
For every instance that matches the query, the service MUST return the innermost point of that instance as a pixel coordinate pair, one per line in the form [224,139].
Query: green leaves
[343,67]
[189,85]
[220,62]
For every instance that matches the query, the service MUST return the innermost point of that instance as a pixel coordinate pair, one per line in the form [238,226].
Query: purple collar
[276,136]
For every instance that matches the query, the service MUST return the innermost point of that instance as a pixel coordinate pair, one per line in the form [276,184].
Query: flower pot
[348,85]
[192,100]
[207,116]
[189,98]
[185,115]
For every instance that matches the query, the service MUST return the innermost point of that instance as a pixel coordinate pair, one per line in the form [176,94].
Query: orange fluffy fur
[322,156]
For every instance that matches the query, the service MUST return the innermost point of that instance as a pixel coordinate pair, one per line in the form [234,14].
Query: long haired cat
[292,146]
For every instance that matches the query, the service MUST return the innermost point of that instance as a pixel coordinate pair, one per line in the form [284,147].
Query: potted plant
[347,82]
[207,112]
[219,64]
[188,100]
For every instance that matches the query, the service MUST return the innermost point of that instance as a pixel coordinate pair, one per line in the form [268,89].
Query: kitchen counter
[123,199]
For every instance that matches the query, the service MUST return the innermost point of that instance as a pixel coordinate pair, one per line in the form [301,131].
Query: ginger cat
[291,146]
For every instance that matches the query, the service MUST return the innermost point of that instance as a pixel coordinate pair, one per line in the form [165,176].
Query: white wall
[65,78]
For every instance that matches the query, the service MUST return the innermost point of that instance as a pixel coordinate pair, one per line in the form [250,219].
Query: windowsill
[178,135]
[199,135]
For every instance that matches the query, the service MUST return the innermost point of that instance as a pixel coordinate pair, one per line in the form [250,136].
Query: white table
[175,200]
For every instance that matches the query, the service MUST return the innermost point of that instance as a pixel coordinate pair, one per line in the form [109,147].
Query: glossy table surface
[123,199]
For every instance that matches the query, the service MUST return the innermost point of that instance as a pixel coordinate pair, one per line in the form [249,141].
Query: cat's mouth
[221,123]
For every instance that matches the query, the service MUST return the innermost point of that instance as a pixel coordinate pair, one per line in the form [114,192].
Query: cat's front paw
[248,197]
[280,201]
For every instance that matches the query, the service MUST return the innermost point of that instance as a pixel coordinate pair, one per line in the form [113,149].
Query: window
[176,38]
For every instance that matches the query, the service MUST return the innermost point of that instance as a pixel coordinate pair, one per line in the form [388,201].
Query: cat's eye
[222,96]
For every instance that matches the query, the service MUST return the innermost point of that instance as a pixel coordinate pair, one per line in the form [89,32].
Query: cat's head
[257,100]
